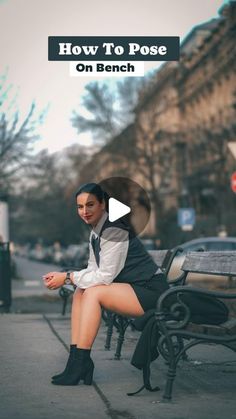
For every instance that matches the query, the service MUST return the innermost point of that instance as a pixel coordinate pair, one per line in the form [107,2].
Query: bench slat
[217,263]
[227,328]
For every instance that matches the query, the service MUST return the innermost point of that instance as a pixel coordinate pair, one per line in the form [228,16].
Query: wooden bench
[175,312]
[163,259]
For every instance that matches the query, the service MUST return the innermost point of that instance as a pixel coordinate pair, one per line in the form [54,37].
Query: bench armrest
[180,280]
[185,304]
[193,290]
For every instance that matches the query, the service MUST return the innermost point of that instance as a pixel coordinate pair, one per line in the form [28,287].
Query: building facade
[177,147]
[188,112]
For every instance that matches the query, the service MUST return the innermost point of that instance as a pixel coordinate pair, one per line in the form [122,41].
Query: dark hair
[96,190]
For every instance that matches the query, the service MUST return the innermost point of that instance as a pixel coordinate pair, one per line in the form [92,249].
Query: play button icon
[117,209]
[128,204]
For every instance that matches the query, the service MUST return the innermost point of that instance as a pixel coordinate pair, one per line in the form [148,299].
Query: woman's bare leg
[119,298]
[75,315]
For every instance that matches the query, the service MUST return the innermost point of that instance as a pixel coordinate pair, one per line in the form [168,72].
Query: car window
[195,247]
[220,245]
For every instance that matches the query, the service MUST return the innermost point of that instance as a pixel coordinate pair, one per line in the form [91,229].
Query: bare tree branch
[110,108]
[15,137]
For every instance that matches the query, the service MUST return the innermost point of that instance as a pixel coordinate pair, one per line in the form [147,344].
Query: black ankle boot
[80,368]
[71,355]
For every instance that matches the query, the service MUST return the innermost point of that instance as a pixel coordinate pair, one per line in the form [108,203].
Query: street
[29,295]
[33,349]
[204,386]
[30,278]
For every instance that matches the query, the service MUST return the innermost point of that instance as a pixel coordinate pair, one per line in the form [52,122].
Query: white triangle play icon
[116,209]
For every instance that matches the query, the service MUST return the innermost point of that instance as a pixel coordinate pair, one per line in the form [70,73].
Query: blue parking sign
[186,218]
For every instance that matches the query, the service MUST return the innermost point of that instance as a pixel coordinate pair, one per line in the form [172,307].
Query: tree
[16,136]
[209,177]
[154,154]
[107,108]
[44,204]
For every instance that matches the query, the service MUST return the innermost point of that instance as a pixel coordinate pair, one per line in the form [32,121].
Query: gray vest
[139,266]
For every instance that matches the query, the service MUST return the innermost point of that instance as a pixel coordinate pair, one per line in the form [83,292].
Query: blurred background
[172,131]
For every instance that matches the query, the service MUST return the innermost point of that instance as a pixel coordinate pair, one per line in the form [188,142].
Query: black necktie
[95,242]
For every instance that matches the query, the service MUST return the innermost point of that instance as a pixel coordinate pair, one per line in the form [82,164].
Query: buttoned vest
[139,266]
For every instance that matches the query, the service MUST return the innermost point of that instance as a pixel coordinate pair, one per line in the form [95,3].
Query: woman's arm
[54,280]
[114,248]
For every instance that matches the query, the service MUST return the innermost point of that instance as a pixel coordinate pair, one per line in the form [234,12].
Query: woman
[120,276]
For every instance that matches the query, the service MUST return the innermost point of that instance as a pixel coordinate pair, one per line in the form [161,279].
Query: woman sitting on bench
[121,277]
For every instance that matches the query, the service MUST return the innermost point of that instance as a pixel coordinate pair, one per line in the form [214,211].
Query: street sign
[186,218]
[233,182]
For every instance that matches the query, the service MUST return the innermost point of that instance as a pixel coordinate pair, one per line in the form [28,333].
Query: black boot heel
[88,379]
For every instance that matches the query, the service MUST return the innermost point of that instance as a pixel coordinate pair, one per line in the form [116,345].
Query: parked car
[70,254]
[37,253]
[54,255]
[81,256]
[205,244]
[76,255]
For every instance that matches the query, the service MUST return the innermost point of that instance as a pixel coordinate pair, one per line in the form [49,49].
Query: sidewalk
[33,348]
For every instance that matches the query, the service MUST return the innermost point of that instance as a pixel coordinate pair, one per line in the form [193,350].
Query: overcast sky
[26,24]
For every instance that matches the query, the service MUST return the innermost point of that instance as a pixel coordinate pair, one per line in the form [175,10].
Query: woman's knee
[94,292]
[78,294]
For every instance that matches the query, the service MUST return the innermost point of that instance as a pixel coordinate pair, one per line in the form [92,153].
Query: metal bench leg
[65,300]
[171,373]
[109,330]
[169,383]
[120,340]
[121,323]
[64,294]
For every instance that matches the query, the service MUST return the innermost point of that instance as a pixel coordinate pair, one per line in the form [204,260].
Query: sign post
[4,221]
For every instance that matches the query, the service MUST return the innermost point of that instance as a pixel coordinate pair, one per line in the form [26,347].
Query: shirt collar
[96,230]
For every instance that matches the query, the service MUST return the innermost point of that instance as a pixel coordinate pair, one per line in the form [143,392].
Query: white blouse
[114,244]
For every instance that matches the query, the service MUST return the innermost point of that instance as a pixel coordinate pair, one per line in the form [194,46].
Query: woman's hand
[54,280]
